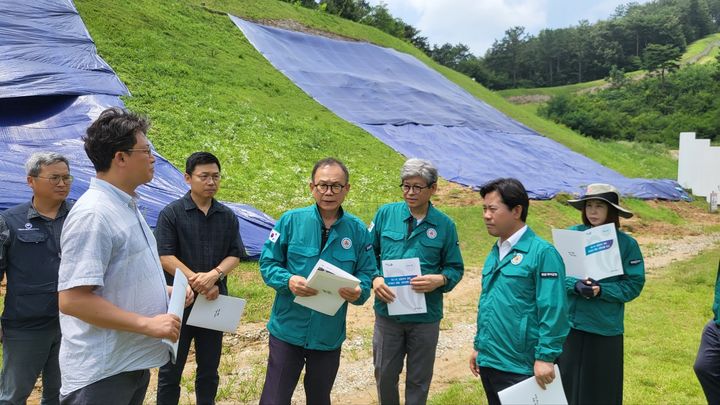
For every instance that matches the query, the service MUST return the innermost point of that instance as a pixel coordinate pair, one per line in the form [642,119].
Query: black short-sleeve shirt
[200,241]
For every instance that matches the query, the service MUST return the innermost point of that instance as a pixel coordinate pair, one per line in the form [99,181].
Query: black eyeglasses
[147,151]
[205,177]
[416,189]
[323,188]
[55,180]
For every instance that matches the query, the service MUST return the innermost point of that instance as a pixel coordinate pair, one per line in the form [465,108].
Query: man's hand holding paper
[382,291]
[298,286]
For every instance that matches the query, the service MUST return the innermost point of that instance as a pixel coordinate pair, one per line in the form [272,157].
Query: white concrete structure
[698,165]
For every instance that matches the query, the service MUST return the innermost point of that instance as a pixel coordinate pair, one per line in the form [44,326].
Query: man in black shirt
[199,236]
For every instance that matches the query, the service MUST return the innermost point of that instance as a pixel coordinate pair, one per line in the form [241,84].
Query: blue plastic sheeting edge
[56,124]
[45,49]
[419,113]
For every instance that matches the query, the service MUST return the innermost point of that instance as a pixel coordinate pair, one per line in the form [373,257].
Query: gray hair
[38,160]
[419,167]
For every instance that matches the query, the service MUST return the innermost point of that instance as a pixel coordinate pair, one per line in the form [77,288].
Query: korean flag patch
[274,235]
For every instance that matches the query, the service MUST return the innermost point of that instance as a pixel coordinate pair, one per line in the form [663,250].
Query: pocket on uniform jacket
[37,301]
[32,236]
[346,259]
[431,251]
[300,256]
[391,244]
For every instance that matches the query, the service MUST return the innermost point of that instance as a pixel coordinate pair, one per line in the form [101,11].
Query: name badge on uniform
[431,233]
[516,259]
[346,243]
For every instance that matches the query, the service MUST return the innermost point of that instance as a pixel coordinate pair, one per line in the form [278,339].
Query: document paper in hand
[397,274]
[529,392]
[327,279]
[177,306]
[223,313]
[591,253]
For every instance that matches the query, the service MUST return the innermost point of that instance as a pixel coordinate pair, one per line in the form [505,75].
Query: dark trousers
[392,343]
[208,348]
[126,388]
[494,381]
[26,355]
[707,363]
[285,363]
[591,367]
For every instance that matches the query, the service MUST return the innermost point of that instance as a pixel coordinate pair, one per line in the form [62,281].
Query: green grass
[662,335]
[697,48]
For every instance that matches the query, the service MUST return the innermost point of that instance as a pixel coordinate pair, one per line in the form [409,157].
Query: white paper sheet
[397,274]
[177,306]
[591,253]
[327,279]
[529,392]
[222,313]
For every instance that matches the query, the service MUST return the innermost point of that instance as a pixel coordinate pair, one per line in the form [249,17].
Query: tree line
[652,110]
[553,57]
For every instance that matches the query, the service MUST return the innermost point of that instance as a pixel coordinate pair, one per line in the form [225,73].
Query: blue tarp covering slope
[46,104]
[420,113]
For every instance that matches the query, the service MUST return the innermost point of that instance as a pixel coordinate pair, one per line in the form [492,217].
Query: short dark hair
[200,158]
[512,192]
[612,215]
[113,131]
[329,161]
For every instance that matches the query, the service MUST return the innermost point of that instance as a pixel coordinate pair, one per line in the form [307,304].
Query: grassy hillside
[205,87]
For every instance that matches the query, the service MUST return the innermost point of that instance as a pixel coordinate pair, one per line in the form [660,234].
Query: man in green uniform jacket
[522,314]
[412,229]
[301,337]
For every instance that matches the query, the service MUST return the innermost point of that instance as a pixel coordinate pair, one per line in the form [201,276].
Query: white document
[397,274]
[327,279]
[591,253]
[177,306]
[222,313]
[529,392]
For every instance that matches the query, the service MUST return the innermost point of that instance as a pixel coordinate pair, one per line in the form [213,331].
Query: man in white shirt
[112,294]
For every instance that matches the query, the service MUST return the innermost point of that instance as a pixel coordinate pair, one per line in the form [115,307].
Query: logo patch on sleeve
[274,235]
[548,274]
[346,243]
[635,261]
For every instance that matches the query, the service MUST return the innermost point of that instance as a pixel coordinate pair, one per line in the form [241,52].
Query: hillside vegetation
[205,87]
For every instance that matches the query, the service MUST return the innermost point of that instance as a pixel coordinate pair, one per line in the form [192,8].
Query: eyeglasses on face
[416,189]
[205,177]
[335,188]
[146,151]
[55,180]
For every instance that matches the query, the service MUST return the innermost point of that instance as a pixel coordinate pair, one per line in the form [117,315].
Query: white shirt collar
[506,246]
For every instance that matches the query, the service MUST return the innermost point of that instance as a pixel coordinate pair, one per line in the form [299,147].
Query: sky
[477,23]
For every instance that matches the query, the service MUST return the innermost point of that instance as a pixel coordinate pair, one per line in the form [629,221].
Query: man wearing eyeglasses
[407,230]
[301,337]
[200,236]
[112,293]
[30,257]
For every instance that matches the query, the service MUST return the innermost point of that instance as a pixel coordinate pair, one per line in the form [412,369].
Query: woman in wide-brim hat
[591,364]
